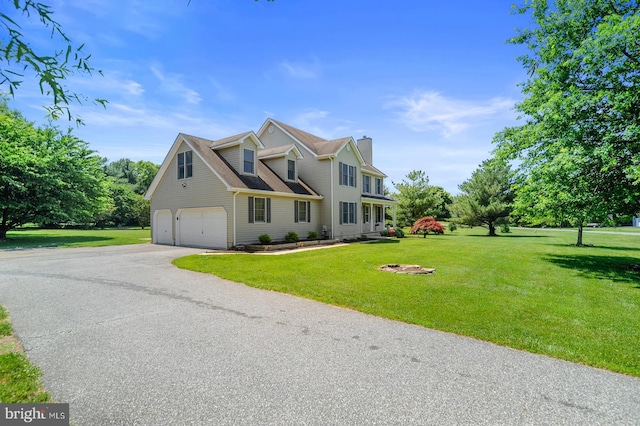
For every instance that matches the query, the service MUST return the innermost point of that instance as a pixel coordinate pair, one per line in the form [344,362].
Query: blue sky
[430,82]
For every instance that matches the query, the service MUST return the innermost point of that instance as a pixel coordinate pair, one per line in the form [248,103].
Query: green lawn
[19,379]
[35,237]
[525,290]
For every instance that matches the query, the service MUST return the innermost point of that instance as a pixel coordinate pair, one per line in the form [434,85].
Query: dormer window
[185,165]
[249,161]
[291,170]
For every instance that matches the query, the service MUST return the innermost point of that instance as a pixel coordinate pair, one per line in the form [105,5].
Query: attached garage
[202,227]
[162,227]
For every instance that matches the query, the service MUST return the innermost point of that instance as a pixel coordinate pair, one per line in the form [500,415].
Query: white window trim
[295,171]
[185,165]
[244,161]
[351,210]
[298,210]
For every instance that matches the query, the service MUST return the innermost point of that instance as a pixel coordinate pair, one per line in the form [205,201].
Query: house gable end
[181,138]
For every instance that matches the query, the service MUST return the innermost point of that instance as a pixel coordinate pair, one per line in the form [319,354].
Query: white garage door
[202,227]
[162,224]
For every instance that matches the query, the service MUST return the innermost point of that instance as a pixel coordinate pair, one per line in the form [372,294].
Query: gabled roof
[235,140]
[279,151]
[372,170]
[316,145]
[266,179]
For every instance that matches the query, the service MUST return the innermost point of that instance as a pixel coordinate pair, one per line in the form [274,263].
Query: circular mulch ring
[406,269]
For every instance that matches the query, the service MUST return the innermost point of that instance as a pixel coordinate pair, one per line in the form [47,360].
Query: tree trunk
[3,226]
[492,230]
[579,243]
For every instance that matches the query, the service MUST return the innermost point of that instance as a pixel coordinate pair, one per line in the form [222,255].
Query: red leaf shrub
[427,224]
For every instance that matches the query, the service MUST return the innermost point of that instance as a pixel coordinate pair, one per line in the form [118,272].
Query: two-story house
[228,192]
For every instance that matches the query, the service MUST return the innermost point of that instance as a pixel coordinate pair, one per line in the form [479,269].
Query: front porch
[374,213]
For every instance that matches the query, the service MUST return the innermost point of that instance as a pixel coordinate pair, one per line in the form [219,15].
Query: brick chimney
[365,146]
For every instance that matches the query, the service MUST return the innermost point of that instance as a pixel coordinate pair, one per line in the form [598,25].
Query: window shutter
[250,209]
[308,211]
[268,210]
[295,211]
[341,213]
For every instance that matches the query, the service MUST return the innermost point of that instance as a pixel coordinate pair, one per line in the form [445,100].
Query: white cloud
[428,111]
[300,70]
[172,83]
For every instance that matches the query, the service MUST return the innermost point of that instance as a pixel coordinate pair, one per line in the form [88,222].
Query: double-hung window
[347,175]
[302,211]
[249,161]
[291,170]
[185,165]
[379,214]
[259,210]
[378,186]
[348,215]
[366,184]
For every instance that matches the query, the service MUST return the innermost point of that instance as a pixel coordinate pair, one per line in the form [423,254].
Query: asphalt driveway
[128,339]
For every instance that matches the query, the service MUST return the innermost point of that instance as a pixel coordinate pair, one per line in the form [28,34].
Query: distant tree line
[49,177]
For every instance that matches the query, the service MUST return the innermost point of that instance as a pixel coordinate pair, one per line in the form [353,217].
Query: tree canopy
[486,196]
[51,68]
[579,148]
[46,175]
[416,198]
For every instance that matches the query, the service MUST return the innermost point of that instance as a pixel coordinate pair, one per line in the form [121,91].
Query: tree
[568,187]
[138,175]
[416,198]
[125,203]
[143,212]
[486,196]
[579,148]
[441,211]
[145,172]
[51,68]
[45,175]
[427,224]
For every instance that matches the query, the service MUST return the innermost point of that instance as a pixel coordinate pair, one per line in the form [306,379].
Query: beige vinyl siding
[316,173]
[282,219]
[280,166]
[275,164]
[347,194]
[232,155]
[204,189]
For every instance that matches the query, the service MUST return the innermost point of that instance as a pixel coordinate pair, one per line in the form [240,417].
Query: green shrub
[313,235]
[384,233]
[452,227]
[399,233]
[264,239]
[504,228]
[291,237]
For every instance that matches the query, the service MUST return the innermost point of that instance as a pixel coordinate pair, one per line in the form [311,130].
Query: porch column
[372,216]
[395,210]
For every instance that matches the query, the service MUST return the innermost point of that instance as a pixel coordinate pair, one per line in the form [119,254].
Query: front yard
[531,291]
[36,237]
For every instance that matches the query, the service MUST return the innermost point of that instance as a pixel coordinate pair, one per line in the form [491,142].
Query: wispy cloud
[428,111]
[172,83]
[303,71]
